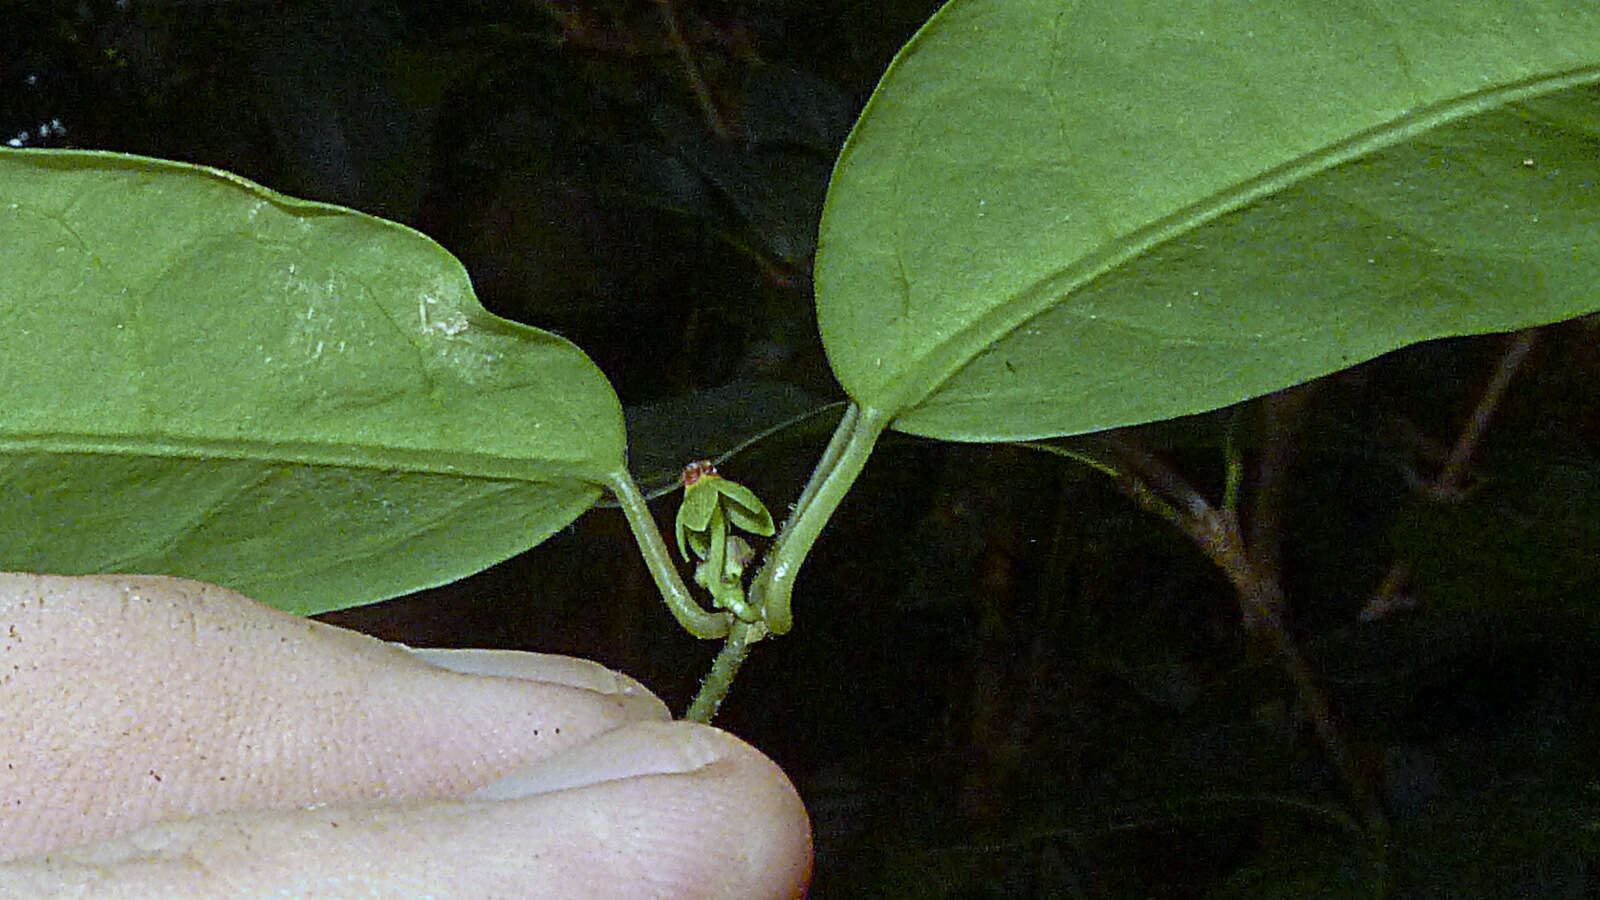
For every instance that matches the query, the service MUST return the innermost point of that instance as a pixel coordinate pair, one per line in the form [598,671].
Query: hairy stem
[719,680]
[836,471]
[829,458]
[694,618]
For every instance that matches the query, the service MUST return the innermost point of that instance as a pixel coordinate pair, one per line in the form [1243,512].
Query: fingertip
[693,808]
[767,835]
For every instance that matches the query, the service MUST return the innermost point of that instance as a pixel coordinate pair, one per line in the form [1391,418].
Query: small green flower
[711,504]
[705,493]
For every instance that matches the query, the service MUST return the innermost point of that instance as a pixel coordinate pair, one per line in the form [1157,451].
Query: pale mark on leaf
[449,326]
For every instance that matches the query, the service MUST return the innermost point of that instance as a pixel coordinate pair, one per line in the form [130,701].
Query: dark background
[1005,678]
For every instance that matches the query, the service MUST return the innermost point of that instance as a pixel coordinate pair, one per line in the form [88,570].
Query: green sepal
[700,501]
[744,509]
[741,507]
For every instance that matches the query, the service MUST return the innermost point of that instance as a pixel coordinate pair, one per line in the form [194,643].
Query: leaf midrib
[344,456]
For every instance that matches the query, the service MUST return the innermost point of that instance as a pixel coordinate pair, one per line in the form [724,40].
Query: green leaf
[1056,217]
[204,378]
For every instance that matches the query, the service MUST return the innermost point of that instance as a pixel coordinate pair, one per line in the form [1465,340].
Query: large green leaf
[202,377]
[1056,217]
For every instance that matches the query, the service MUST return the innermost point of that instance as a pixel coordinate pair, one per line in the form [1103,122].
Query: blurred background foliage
[1006,679]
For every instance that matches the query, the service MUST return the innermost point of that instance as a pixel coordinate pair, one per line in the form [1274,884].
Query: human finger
[652,809]
[129,700]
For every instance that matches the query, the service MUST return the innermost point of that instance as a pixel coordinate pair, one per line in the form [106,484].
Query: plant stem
[1452,478]
[1281,415]
[714,689]
[1450,484]
[836,471]
[830,456]
[773,586]
[689,613]
[1261,603]
[697,84]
